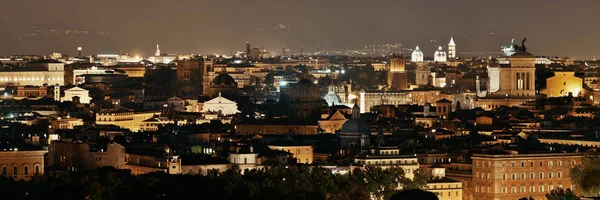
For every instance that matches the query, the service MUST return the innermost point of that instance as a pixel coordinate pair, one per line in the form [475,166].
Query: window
[477,175]
[559,174]
[513,189]
[476,163]
[522,175]
[503,176]
[559,163]
[26,170]
[15,171]
[503,164]
[4,172]
[489,190]
[532,189]
[513,176]
[522,164]
[541,189]
[512,164]
[488,176]
[522,189]
[531,175]
[550,174]
[550,163]
[541,163]
[573,162]
[550,187]
[37,169]
[504,189]
[476,188]
[541,175]
[532,163]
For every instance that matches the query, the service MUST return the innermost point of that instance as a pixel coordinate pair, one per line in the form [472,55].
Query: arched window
[531,175]
[26,170]
[550,174]
[532,189]
[504,189]
[4,171]
[489,189]
[550,163]
[541,188]
[513,176]
[488,176]
[559,163]
[559,174]
[523,189]
[503,176]
[15,170]
[541,175]
[513,189]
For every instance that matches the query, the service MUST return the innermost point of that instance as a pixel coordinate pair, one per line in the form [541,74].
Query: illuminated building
[563,84]
[445,188]
[397,79]
[512,176]
[21,165]
[451,49]
[124,119]
[417,55]
[221,105]
[36,73]
[161,58]
[416,96]
[77,94]
[302,153]
[440,55]
[516,83]
[387,157]
[28,91]
[331,97]
[333,122]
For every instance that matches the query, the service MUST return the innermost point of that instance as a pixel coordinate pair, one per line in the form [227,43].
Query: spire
[417,47]
[157,50]
[451,41]
[219,94]
[440,48]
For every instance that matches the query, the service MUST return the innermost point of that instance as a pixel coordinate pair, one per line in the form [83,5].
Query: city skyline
[209,27]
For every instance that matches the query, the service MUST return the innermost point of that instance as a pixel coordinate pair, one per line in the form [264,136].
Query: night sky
[553,27]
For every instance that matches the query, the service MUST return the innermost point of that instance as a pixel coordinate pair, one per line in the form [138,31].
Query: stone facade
[21,165]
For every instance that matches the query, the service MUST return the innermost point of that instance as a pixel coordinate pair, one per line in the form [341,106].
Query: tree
[422,176]
[560,194]
[586,177]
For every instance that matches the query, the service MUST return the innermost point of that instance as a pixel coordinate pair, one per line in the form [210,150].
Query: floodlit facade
[21,165]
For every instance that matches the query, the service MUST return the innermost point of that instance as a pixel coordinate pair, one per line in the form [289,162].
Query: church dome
[355,126]
[305,90]
[440,55]
[224,79]
[417,55]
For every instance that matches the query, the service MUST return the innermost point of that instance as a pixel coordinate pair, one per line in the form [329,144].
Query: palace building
[512,176]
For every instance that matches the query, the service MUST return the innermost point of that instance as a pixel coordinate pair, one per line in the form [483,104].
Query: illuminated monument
[509,50]
[516,81]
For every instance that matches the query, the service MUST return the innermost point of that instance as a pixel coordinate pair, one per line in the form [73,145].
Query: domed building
[304,100]
[417,55]
[225,85]
[355,133]
[440,55]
